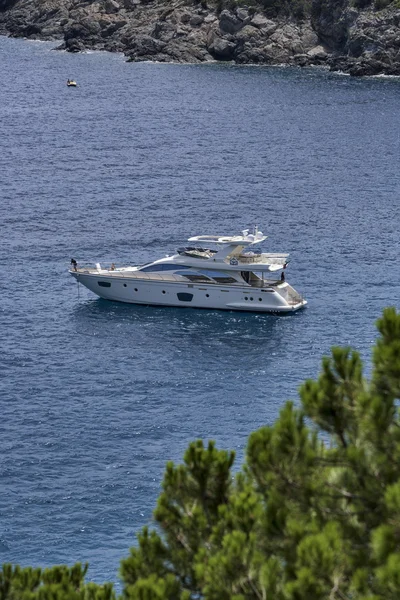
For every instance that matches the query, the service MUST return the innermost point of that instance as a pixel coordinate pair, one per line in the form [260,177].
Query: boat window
[212,273]
[184,297]
[194,276]
[104,283]
[218,276]
[162,267]
[225,280]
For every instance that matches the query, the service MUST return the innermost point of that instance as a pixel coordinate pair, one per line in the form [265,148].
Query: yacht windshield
[196,252]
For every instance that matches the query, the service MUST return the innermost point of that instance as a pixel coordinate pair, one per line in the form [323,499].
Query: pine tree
[56,583]
[313,514]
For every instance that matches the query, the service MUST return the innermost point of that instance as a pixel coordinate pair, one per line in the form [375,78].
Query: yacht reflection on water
[207,330]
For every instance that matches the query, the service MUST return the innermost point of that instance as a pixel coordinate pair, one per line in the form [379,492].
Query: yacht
[214,272]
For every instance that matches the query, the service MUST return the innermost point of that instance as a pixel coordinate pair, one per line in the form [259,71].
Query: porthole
[260,299]
[207,295]
[251,298]
[124,284]
[163,291]
[104,283]
[246,298]
[136,290]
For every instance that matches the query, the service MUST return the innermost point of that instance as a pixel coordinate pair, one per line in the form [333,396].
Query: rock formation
[362,41]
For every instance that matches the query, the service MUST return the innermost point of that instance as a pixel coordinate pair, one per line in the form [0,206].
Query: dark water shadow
[107,308]
[240,331]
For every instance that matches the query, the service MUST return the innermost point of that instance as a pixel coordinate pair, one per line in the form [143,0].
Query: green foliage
[187,513]
[381,4]
[56,583]
[315,511]
[362,3]
[314,514]
[299,9]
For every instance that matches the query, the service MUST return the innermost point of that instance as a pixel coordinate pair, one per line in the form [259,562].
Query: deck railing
[259,283]
[127,274]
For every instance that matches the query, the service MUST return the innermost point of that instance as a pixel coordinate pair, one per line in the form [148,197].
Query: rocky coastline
[334,34]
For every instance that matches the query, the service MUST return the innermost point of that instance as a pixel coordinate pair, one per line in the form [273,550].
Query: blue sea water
[97,396]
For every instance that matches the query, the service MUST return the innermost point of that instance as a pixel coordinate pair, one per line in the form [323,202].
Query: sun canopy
[235,240]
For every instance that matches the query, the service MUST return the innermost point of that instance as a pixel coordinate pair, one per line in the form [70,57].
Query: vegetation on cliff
[299,9]
[376,4]
[313,514]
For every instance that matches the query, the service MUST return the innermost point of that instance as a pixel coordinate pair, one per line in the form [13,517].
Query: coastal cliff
[359,37]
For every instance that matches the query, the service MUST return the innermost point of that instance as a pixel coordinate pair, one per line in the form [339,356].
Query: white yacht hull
[278,299]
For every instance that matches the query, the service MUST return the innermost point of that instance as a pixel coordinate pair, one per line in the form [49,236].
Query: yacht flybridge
[215,272]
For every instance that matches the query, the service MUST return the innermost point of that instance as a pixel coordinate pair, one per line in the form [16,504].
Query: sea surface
[96,396]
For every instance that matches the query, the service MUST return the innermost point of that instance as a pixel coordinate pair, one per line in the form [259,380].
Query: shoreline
[216,63]
[145,31]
